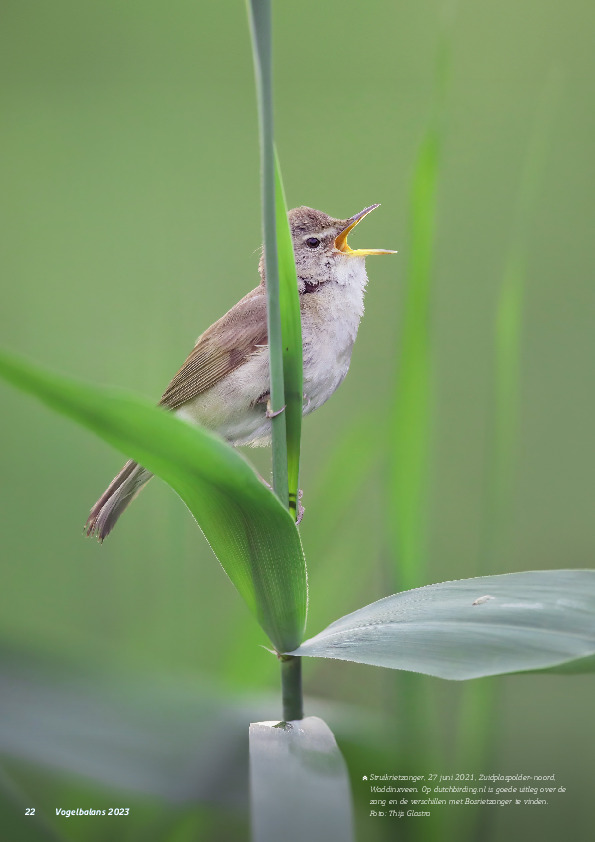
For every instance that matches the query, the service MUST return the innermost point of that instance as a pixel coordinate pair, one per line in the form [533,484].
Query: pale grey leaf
[469,628]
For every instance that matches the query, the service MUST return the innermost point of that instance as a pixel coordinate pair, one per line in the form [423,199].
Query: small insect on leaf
[481,599]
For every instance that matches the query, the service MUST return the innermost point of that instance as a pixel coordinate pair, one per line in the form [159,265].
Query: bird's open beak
[341,238]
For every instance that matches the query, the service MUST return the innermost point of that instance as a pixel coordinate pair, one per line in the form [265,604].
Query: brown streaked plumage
[220,349]
[224,383]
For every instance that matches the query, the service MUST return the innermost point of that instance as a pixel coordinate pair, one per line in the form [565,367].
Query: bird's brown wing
[222,348]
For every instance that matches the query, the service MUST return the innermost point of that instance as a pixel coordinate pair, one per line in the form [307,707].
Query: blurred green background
[131,221]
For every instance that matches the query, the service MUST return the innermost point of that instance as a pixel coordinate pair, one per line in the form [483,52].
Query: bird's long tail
[121,491]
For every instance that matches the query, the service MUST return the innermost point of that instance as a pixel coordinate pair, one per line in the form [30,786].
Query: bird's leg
[266,398]
[269,411]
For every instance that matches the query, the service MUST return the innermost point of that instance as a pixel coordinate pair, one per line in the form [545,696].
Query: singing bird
[224,383]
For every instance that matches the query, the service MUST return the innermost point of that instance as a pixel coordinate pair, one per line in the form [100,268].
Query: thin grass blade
[479,707]
[411,418]
[291,328]
[508,326]
[410,421]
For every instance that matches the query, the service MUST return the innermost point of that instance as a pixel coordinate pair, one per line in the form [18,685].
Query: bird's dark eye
[313,242]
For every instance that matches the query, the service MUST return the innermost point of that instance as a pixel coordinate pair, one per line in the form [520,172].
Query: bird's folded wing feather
[222,348]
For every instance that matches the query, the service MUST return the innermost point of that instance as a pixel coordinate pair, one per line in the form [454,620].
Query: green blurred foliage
[131,221]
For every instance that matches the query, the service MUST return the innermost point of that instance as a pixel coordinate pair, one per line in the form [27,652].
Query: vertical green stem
[259,14]
[291,688]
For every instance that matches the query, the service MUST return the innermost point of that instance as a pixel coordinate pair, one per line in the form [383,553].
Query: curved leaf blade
[291,327]
[299,787]
[251,533]
[489,625]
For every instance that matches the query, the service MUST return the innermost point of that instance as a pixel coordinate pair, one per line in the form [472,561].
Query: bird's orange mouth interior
[341,238]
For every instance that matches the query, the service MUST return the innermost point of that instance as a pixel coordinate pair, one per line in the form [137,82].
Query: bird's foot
[269,411]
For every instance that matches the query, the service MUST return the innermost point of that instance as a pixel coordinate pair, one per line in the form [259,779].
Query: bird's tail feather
[121,491]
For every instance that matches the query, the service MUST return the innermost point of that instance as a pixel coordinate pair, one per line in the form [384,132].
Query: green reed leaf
[410,428]
[249,530]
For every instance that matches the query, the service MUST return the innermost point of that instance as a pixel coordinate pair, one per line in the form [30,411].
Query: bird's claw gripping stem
[269,411]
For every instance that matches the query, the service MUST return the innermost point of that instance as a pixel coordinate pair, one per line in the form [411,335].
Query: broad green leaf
[299,787]
[291,326]
[250,532]
[470,628]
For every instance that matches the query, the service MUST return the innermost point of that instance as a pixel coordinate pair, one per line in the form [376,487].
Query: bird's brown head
[320,244]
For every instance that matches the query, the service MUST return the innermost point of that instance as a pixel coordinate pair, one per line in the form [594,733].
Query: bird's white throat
[330,321]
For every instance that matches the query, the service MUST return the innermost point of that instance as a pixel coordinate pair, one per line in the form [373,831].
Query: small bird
[224,383]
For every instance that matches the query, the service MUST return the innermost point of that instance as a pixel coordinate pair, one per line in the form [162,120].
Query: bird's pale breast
[330,321]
